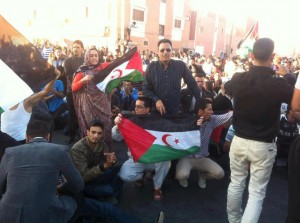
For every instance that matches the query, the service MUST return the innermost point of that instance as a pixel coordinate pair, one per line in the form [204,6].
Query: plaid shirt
[206,130]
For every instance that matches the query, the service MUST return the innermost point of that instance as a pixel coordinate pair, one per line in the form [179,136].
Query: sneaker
[202,182]
[184,183]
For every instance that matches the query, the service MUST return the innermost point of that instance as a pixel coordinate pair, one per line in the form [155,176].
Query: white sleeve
[116,134]
[297,85]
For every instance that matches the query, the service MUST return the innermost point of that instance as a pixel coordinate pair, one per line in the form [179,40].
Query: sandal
[157,194]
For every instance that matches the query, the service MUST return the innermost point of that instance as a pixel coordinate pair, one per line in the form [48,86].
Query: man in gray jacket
[30,174]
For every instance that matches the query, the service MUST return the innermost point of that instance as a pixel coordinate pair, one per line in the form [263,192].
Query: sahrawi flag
[246,44]
[128,67]
[23,69]
[153,138]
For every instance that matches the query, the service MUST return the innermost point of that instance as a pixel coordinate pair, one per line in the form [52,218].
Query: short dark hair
[37,128]
[147,101]
[263,49]
[228,88]
[164,41]
[57,48]
[201,104]
[78,42]
[96,122]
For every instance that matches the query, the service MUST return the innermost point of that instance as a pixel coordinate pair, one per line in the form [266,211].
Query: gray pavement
[193,204]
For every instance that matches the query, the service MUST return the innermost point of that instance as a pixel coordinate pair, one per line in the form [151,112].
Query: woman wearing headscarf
[91,103]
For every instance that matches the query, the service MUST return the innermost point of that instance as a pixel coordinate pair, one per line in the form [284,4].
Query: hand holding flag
[153,139]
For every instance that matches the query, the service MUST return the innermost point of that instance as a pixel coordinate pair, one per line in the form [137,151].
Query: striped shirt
[165,84]
[206,130]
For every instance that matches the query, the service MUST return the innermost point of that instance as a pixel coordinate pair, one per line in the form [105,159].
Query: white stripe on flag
[177,140]
[119,72]
[12,88]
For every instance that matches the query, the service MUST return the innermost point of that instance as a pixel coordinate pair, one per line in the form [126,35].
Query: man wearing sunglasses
[162,81]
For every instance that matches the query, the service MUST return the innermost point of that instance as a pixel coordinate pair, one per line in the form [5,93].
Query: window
[145,42]
[138,15]
[161,30]
[177,23]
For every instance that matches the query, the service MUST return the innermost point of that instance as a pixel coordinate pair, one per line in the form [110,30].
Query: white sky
[277,19]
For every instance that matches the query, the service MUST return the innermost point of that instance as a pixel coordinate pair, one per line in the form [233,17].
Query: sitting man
[133,171]
[30,172]
[207,168]
[96,164]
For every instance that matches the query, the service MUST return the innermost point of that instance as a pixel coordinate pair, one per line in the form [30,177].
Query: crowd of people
[241,104]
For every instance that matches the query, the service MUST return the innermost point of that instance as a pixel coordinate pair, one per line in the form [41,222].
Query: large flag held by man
[23,69]
[155,138]
[128,67]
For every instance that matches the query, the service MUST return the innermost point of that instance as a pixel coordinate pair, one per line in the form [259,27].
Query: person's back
[257,101]
[30,173]
[257,96]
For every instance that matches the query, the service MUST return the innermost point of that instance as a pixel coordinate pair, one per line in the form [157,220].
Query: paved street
[192,204]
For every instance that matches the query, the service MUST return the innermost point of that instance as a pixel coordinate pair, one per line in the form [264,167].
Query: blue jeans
[108,184]
[104,210]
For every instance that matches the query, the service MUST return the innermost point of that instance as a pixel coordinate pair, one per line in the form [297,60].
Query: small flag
[153,139]
[128,67]
[246,44]
[23,69]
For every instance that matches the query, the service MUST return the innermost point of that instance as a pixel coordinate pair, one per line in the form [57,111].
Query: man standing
[134,171]
[96,164]
[162,81]
[187,100]
[30,175]
[71,65]
[257,101]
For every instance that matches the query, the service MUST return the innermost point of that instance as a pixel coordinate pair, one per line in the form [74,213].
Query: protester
[14,121]
[187,100]
[30,175]
[71,65]
[206,167]
[97,164]
[257,101]
[90,102]
[134,171]
[294,164]
[162,81]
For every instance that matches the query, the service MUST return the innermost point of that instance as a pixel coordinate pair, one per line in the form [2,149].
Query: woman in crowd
[91,103]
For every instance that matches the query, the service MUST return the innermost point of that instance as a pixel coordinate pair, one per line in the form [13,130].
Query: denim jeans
[108,184]
[260,156]
[104,210]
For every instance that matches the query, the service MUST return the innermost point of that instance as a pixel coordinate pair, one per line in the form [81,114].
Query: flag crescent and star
[150,141]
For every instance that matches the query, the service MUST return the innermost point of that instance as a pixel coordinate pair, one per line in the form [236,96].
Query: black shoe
[70,140]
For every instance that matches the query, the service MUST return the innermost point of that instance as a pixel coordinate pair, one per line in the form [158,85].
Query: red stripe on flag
[137,139]
[135,63]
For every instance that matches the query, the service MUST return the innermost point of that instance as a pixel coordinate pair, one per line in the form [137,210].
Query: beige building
[105,22]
